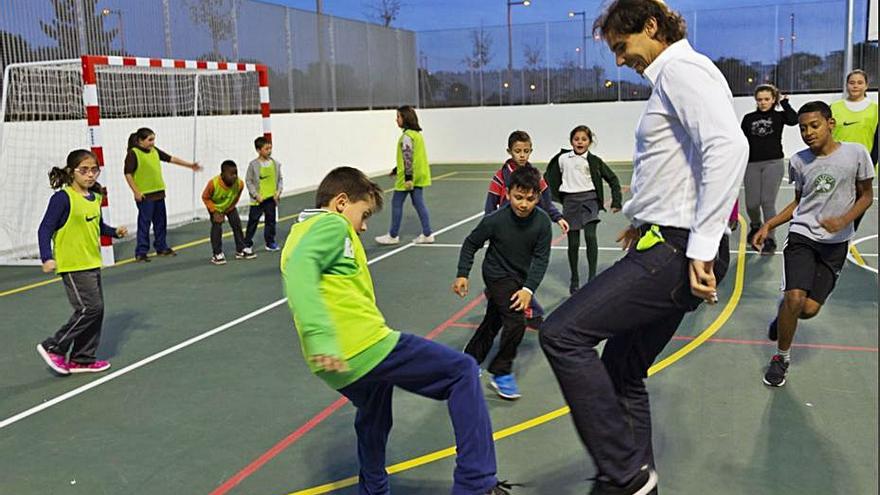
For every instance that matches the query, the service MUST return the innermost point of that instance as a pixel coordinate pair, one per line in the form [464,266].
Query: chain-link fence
[315,62]
[797,47]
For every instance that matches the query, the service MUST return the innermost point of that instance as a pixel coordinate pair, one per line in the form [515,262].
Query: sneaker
[55,361]
[96,367]
[773,330]
[245,254]
[573,286]
[272,246]
[502,488]
[505,386]
[218,259]
[642,484]
[769,247]
[424,239]
[142,258]
[775,375]
[387,240]
[166,252]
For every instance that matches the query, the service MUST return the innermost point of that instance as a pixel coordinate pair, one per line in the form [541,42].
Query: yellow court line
[180,247]
[857,255]
[562,411]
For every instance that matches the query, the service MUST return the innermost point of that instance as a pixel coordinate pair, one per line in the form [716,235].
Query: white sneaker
[424,239]
[387,240]
[218,259]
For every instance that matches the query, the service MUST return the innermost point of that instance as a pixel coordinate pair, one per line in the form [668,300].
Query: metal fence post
[289,47]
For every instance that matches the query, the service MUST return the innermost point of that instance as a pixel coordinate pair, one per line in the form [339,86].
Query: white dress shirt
[575,173]
[690,154]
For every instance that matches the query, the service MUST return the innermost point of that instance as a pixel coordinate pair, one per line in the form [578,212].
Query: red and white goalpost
[203,111]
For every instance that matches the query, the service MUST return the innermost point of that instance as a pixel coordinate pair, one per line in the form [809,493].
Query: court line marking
[143,362]
[855,257]
[180,247]
[618,249]
[716,325]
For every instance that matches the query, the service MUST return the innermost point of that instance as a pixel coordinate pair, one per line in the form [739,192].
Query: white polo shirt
[690,154]
[575,173]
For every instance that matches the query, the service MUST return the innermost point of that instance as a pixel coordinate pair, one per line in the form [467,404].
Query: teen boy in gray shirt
[832,184]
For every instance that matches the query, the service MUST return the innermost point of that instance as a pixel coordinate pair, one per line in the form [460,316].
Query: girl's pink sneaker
[54,361]
[96,367]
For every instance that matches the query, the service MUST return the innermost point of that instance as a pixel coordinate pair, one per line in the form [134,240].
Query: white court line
[852,259]
[143,362]
[563,248]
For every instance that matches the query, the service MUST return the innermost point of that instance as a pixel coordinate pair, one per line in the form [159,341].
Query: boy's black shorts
[812,266]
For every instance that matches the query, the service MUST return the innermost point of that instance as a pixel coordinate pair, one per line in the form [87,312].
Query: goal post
[203,111]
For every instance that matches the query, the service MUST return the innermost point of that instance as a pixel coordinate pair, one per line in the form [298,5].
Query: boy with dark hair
[519,147]
[519,238]
[832,188]
[221,196]
[346,342]
[264,184]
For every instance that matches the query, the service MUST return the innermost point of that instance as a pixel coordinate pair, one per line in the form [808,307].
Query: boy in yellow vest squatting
[264,185]
[347,344]
[220,197]
[70,246]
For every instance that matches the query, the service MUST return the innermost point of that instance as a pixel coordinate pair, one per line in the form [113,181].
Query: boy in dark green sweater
[519,238]
[347,343]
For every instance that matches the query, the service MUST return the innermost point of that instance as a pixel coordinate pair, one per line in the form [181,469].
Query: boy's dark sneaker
[775,375]
[272,246]
[773,330]
[642,484]
[502,488]
[166,252]
[142,258]
[769,246]
[245,254]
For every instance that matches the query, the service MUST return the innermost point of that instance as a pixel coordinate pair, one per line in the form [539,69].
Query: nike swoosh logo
[89,219]
[850,123]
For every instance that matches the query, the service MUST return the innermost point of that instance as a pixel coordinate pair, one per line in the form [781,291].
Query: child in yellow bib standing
[69,239]
[264,184]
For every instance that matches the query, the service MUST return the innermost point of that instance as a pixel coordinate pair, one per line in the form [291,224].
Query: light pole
[510,4]
[583,50]
[105,13]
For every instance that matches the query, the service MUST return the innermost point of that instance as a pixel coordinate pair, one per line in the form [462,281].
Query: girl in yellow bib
[70,246]
[143,173]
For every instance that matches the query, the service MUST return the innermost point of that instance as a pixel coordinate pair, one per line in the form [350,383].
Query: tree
[384,11]
[792,70]
[741,78]
[64,29]
[217,17]
[481,49]
[533,55]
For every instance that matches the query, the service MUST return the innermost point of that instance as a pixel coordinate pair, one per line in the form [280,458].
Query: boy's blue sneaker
[272,246]
[505,386]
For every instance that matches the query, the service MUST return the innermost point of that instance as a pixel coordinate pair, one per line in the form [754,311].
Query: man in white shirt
[690,158]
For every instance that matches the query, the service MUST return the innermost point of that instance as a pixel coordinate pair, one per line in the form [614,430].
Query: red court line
[309,425]
[833,347]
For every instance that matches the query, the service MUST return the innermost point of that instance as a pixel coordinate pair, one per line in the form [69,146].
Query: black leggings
[574,244]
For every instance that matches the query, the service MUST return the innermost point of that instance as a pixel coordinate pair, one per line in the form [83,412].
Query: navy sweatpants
[431,370]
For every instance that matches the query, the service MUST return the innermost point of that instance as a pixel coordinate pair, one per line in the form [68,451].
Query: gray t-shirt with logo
[827,185]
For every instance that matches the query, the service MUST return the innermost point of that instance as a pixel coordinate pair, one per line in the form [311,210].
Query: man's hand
[460,286]
[703,280]
[521,300]
[330,363]
[628,237]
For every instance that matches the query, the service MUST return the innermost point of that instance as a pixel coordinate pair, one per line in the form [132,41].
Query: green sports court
[209,393]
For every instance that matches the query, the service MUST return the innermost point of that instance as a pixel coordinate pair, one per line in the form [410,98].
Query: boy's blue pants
[431,370]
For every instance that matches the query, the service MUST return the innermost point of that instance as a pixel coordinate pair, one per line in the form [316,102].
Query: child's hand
[563,225]
[258,199]
[615,210]
[138,196]
[330,363]
[196,167]
[833,224]
[628,237]
[521,300]
[408,185]
[460,286]
[49,266]
[277,198]
[217,217]
[121,232]
[760,236]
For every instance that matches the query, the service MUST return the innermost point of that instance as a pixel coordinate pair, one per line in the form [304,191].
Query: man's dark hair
[526,179]
[630,16]
[816,106]
[518,137]
[352,182]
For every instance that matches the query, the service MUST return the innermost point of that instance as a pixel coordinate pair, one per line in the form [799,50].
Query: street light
[105,13]
[583,16]
[510,3]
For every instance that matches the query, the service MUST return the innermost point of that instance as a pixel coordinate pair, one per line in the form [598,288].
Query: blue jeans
[418,201]
[635,306]
[431,370]
[151,212]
